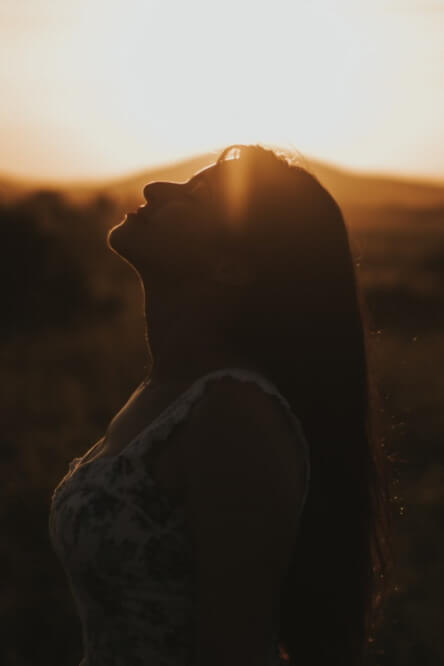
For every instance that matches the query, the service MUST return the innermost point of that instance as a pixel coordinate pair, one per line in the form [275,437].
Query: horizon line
[15,179]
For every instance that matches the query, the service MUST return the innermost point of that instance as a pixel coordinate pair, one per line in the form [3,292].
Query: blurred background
[100,98]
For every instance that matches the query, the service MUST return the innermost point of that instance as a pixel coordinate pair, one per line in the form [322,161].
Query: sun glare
[98,88]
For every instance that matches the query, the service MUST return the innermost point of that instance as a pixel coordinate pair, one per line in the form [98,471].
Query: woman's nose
[148,192]
[156,191]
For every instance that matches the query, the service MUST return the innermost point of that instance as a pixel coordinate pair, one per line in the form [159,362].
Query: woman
[236,510]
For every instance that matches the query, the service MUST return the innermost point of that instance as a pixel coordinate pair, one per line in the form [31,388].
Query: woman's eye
[201,184]
[195,190]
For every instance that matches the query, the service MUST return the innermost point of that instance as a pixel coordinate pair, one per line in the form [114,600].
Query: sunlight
[235,185]
[97,88]
[264,79]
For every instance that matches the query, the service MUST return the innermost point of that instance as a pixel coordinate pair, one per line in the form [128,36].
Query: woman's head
[256,225]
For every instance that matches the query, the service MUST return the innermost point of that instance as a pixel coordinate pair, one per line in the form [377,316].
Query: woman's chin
[118,240]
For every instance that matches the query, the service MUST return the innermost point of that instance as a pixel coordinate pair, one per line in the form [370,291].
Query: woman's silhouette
[237,509]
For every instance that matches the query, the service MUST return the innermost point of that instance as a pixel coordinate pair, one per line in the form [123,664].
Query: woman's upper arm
[244,486]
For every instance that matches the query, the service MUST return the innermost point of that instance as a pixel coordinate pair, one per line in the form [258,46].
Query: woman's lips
[137,213]
[130,216]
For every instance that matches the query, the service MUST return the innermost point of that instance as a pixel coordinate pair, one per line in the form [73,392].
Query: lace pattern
[125,549]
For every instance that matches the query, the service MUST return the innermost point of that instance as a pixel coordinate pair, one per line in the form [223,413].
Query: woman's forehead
[228,178]
[217,171]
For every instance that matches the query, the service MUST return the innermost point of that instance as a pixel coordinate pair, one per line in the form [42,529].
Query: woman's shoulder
[230,411]
[249,418]
[241,396]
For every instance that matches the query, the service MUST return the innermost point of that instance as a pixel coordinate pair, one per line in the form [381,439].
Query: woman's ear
[232,270]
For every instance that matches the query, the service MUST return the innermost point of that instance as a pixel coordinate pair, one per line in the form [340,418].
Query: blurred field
[73,349]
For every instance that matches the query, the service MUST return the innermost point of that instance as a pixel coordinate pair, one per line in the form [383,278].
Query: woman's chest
[165,456]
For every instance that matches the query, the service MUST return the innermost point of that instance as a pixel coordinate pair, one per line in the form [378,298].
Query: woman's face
[174,233]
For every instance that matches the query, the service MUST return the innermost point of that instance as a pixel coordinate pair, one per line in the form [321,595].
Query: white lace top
[125,549]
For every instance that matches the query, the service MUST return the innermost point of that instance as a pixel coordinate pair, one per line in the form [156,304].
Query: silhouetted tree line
[50,249]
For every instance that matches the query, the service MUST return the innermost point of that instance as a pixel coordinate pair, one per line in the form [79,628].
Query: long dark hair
[304,322]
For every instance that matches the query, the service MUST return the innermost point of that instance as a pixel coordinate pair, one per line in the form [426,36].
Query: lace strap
[178,410]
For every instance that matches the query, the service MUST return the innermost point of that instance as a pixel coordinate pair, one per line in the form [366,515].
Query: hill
[351,188]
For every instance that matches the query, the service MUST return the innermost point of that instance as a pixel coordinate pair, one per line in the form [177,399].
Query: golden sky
[98,88]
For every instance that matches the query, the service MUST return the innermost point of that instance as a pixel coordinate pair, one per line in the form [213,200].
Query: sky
[94,89]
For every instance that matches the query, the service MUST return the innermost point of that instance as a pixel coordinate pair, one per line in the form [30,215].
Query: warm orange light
[94,89]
